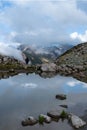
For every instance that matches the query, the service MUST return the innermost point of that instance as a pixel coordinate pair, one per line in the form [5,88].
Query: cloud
[73,83]
[9,50]
[19,2]
[82,4]
[77,84]
[81,37]
[40,22]
[30,85]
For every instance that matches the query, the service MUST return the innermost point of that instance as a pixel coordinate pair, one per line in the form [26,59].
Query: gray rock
[49,67]
[54,114]
[61,96]
[76,121]
[46,118]
[30,121]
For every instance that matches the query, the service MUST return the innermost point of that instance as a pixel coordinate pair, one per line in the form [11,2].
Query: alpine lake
[25,95]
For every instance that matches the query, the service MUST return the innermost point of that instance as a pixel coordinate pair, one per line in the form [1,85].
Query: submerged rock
[64,106]
[54,114]
[30,121]
[61,96]
[76,121]
[47,119]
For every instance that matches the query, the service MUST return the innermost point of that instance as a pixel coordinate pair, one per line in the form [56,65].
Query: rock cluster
[7,63]
[55,115]
[76,121]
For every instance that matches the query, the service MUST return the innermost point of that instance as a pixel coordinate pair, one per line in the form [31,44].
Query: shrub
[41,120]
[63,114]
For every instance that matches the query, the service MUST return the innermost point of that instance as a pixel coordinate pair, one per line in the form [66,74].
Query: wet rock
[61,96]
[30,121]
[64,106]
[54,114]
[47,119]
[76,121]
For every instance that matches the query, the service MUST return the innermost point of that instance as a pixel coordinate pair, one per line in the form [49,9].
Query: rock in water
[64,106]
[76,121]
[30,121]
[61,96]
[54,114]
[46,118]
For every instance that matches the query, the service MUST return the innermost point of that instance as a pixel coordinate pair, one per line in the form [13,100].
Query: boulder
[30,121]
[48,67]
[76,121]
[46,118]
[61,96]
[54,114]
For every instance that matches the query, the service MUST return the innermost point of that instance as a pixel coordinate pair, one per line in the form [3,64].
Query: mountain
[76,55]
[74,62]
[7,63]
[39,55]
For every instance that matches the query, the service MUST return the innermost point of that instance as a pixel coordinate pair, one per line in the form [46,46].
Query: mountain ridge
[74,62]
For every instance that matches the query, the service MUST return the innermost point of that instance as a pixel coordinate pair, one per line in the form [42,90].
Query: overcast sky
[42,21]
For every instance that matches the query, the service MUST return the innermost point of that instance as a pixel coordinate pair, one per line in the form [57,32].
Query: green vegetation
[10,66]
[63,114]
[41,120]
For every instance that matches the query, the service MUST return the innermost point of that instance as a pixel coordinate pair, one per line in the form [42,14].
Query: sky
[40,22]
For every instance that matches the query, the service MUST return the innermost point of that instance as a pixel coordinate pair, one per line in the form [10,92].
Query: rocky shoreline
[79,72]
[49,70]
[72,63]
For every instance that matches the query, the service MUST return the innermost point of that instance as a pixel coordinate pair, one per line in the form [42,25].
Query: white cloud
[84,85]
[81,37]
[8,50]
[77,84]
[73,83]
[30,85]
[41,21]
[74,35]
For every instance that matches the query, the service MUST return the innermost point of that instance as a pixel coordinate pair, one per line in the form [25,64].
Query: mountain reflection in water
[29,94]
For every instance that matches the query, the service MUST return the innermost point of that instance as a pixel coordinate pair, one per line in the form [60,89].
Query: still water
[24,95]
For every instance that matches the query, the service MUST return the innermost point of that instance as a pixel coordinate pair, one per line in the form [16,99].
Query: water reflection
[23,95]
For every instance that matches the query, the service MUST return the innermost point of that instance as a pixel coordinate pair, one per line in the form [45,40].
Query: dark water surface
[24,95]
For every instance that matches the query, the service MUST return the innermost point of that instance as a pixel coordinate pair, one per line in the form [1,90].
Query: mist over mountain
[46,54]
[40,23]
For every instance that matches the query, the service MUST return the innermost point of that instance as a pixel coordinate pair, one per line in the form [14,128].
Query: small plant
[41,120]
[63,114]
